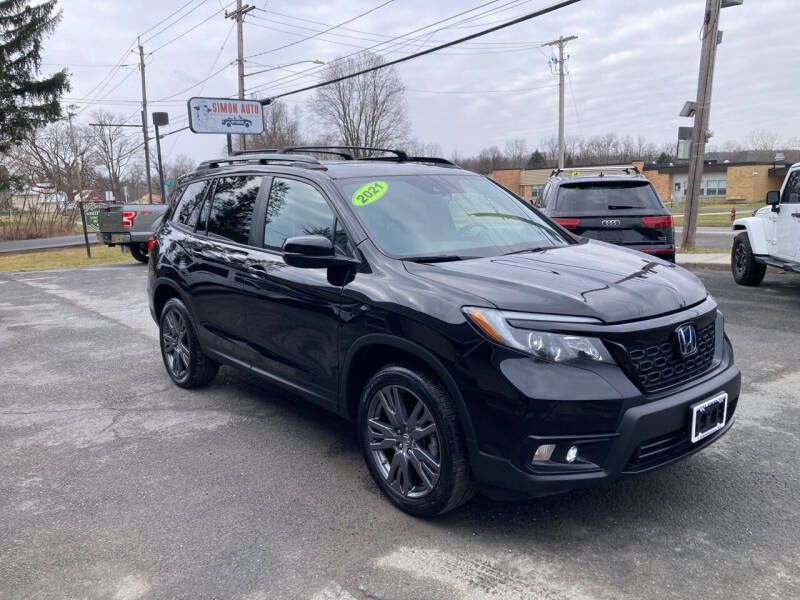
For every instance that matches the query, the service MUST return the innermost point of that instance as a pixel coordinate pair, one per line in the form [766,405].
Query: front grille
[659,366]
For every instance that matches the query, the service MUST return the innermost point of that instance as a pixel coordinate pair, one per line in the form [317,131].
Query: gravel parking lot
[114,483]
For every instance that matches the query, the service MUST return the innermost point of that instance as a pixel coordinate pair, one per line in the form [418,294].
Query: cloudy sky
[631,68]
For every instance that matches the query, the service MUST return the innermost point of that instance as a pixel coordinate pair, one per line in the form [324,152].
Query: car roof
[561,180]
[332,169]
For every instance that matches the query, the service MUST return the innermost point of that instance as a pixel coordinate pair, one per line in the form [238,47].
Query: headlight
[552,347]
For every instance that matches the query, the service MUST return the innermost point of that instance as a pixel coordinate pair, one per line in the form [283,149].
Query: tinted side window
[232,207]
[188,209]
[295,208]
[791,193]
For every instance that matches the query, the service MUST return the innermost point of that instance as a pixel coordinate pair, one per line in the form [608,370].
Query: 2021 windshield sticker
[369,192]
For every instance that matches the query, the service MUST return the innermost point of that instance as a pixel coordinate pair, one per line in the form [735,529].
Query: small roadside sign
[224,115]
[169,183]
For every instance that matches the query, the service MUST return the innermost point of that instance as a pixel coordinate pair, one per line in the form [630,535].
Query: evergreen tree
[664,158]
[536,161]
[26,101]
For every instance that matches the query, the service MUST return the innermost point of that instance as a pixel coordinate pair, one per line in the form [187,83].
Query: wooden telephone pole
[144,124]
[238,15]
[561,42]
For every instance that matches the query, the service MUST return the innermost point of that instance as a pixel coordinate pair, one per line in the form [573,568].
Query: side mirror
[773,199]
[313,252]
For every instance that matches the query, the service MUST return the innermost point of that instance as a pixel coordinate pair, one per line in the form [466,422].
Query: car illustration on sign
[234,121]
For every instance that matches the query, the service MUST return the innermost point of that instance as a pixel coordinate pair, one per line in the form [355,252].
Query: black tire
[417,488]
[183,358]
[139,252]
[745,269]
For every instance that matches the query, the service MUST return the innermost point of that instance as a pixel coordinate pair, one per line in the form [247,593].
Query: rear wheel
[412,441]
[746,270]
[139,252]
[186,364]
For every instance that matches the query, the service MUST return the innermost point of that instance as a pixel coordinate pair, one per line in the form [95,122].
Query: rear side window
[295,208]
[188,210]
[232,207]
[600,197]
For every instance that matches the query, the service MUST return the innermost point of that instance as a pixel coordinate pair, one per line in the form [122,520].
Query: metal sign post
[85,233]
[160,118]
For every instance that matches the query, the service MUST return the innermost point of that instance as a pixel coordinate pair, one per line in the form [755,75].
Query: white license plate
[708,416]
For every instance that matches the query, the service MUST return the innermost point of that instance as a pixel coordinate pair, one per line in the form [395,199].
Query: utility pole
[701,116]
[561,42]
[702,111]
[144,123]
[238,15]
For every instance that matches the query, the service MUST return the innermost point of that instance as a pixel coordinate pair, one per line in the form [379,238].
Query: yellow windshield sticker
[369,192]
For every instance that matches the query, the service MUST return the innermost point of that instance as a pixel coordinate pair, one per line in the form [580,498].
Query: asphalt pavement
[114,483]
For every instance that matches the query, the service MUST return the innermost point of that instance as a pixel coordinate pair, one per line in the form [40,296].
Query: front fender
[756,229]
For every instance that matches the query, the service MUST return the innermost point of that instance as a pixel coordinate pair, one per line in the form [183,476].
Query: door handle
[795,215]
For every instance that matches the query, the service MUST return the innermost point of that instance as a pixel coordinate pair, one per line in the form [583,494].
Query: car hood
[591,279]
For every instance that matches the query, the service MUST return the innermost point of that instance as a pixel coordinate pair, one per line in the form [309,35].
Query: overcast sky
[631,68]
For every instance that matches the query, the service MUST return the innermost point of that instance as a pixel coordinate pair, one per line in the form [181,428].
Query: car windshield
[600,197]
[446,217]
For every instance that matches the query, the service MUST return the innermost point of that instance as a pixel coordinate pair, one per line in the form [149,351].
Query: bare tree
[367,110]
[762,140]
[516,153]
[281,127]
[416,147]
[113,149]
[180,165]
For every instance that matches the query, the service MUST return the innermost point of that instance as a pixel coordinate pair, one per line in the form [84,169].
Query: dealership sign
[223,115]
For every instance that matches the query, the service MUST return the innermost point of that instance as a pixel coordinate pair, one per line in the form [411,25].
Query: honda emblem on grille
[687,339]
[611,222]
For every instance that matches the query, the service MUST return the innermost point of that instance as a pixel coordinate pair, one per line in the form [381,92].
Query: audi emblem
[611,222]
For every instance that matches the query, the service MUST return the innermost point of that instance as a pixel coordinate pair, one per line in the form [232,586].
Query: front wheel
[412,441]
[139,252]
[746,270]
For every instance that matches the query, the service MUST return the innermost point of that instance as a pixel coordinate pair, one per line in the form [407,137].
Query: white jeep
[771,236]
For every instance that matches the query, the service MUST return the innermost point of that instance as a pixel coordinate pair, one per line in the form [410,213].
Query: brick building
[728,181]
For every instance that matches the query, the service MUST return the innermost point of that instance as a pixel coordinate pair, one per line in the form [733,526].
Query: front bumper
[648,436]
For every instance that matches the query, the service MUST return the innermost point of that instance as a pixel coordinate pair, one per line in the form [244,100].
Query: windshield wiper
[532,249]
[434,258]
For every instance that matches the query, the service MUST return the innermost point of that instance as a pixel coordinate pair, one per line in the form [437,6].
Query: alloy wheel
[175,342]
[403,441]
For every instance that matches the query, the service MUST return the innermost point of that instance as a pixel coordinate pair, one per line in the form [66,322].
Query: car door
[788,222]
[294,316]
[220,252]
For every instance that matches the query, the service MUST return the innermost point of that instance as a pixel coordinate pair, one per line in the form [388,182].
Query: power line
[188,31]
[170,25]
[311,37]
[530,89]
[302,75]
[523,18]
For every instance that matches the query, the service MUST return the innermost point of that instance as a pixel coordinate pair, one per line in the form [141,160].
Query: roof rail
[423,159]
[261,158]
[400,154]
[627,170]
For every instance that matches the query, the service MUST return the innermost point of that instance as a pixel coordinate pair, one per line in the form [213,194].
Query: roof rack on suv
[399,155]
[627,170]
[261,157]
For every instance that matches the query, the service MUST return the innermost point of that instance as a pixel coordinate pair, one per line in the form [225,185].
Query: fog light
[544,452]
[572,454]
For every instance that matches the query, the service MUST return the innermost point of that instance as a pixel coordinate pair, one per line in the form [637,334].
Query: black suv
[611,204]
[476,343]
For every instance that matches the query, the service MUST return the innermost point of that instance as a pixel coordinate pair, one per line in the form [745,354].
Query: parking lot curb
[714,262]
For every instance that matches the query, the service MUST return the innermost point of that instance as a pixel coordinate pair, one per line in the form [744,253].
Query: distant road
[710,237]
[44,243]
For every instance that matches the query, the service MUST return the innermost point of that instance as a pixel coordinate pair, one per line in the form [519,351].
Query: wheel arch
[372,351]
[163,291]
[756,233]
